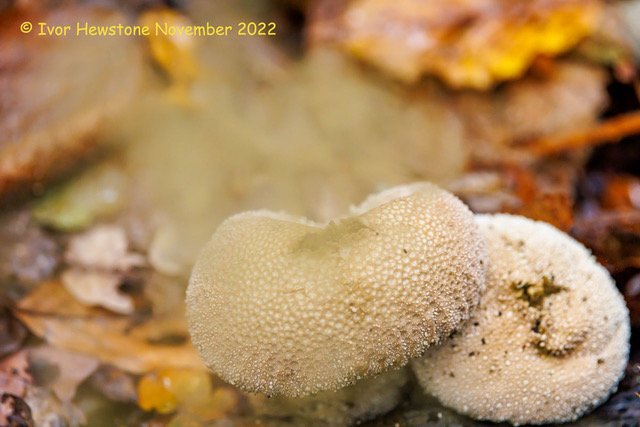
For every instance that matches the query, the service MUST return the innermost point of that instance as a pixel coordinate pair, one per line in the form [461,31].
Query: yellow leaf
[467,43]
[174,53]
[186,390]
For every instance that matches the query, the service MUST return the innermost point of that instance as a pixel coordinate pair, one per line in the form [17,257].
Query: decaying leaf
[187,393]
[467,43]
[620,192]
[99,193]
[165,390]
[48,411]
[12,333]
[541,191]
[614,237]
[71,369]
[97,288]
[104,247]
[165,252]
[27,404]
[99,259]
[56,92]
[14,374]
[14,412]
[565,96]
[114,383]
[174,53]
[53,314]
[485,191]
[28,254]
[219,404]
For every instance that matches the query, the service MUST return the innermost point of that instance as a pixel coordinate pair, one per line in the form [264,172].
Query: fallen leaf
[467,43]
[12,333]
[28,404]
[104,247]
[541,191]
[165,390]
[14,412]
[621,192]
[115,384]
[98,193]
[48,411]
[566,97]
[165,252]
[51,313]
[72,369]
[97,288]
[28,254]
[219,404]
[14,374]
[57,92]
[99,259]
[613,236]
[174,53]
[484,191]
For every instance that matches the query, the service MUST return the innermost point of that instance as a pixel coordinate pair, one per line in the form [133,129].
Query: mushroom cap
[284,306]
[549,340]
[362,401]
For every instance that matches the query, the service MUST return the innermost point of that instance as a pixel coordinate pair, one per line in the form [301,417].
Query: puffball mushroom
[284,306]
[549,340]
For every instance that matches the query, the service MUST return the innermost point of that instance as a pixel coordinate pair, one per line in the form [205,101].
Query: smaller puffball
[365,400]
[549,340]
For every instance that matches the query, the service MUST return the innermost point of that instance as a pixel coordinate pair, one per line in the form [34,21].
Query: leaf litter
[267,129]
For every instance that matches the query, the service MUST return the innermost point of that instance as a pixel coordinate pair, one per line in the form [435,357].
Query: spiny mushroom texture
[549,340]
[284,306]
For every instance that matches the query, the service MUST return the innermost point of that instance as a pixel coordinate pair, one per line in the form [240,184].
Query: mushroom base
[362,401]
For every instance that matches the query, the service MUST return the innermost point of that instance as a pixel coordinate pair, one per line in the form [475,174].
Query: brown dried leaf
[55,93]
[613,236]
[12,333]
[567,96]
[555,207]
[54,315]
[542,191]
[621,192]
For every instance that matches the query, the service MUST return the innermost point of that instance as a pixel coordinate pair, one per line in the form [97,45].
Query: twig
[609,131]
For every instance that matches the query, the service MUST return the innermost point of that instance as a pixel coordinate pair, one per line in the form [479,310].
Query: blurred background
[119,156]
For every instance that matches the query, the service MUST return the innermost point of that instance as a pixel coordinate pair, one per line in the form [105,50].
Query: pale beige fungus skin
[549,340]
[283,306]
[362,401]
